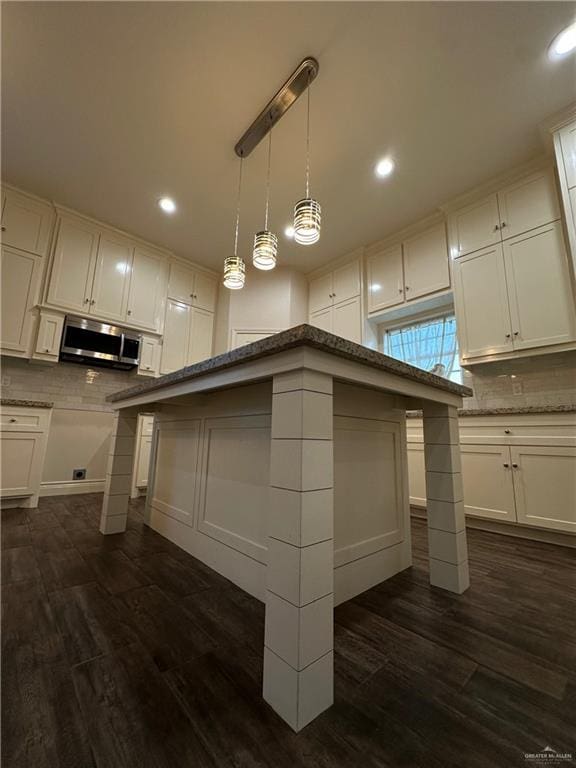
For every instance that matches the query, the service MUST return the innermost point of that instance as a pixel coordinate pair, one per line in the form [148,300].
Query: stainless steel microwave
[93,343]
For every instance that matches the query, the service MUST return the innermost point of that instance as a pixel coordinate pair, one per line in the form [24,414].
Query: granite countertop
[11,401]
[510,411]
[300,335]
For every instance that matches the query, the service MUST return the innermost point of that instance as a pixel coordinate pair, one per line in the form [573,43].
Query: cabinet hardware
[86,301]
[129,312]
[3,229]
[508,335]
[503,225]
[13,421]
[191,295]
[515,333]
[47,349]
[399,290]
[496,227]
[92,301]
[506,431]
[407,287]
[515,466]
[147,367]
[506,466]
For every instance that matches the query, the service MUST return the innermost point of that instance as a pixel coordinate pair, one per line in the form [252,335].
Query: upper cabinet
[414,268]
[526,204]
[565,149]
[26,222]
[193,287]
[19,288]
[101,272]
[335,303]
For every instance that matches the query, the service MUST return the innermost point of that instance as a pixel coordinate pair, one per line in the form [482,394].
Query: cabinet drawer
[518,434]
[8,420]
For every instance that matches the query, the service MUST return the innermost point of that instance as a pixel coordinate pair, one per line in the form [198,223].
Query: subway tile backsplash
[542,380]
[65,384]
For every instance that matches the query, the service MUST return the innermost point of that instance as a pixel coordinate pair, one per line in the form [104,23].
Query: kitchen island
[282,465]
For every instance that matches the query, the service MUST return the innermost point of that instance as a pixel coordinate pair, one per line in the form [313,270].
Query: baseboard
[71,487]
[511,529]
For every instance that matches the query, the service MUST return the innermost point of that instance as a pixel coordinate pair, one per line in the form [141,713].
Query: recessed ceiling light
[167,204]
[289,232]
[564,43]
[384,167]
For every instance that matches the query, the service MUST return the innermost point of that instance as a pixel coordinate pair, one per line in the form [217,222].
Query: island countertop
[299,336]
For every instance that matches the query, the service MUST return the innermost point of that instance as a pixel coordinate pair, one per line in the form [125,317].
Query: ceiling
[108,106]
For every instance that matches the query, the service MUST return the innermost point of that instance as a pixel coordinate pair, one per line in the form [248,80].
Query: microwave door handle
[121,353]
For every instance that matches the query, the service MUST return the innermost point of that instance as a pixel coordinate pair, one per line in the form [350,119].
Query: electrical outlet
[78,474]
[517,387]
[6,381]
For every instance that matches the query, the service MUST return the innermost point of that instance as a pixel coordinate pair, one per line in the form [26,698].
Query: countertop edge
[12,402]
[505,411]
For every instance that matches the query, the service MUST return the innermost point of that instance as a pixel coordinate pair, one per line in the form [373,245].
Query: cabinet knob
[503,225]
[92,301]
[496,227]
[508,335]
[515,466]
[47,349]
[13,421]
[506,431]
[399,290]
[407,287]
[129,312]
[191,295]
[506,466]
[3,229]
[515,333]
[86,301]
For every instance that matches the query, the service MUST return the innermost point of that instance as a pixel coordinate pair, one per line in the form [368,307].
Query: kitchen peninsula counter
[282,465]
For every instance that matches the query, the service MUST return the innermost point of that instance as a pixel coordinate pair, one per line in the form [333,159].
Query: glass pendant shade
[265,250]
[234,272]
[307,221]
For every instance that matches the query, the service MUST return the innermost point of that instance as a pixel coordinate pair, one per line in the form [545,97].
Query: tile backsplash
[65,384]
[542,380]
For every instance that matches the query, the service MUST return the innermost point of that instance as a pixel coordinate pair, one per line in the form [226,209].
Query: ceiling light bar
[278,105]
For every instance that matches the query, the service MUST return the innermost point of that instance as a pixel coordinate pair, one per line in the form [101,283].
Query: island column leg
[119,471]
[448,550]
[299,636]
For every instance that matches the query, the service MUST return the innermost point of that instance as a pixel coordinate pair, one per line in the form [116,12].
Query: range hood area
[89,342]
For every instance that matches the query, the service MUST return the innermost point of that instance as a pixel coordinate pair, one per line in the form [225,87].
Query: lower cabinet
[23,438]
[516,473]
[142,454]
[149,364]
[343,319]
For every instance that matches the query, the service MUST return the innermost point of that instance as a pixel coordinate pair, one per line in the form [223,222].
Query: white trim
[56,488]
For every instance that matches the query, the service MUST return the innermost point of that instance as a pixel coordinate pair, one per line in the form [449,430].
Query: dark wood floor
[125,651]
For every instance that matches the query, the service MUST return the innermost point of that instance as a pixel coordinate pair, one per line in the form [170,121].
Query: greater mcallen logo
[547,756]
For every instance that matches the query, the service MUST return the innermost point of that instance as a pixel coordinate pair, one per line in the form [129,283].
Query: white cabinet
[526,204]
[200,336]
[149,364]
[73,265]
[344,319]
[142,453]
[426,263]
[26,222]
[109,298]
[385,279]
[19,290]
[190,286]
[515,295]
[539,288]
[545,486]
[487,479]
[565,149]
[322,319]
[176,335]
[412,269]
[49,336]
[147,294]
[337,286]
[481,304]
[23,437]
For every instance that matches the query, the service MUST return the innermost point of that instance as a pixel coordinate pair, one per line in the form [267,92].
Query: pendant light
[265,242]
[307,212]
[234,267]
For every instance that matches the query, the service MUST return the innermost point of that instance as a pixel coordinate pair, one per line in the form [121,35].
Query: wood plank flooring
[124,651]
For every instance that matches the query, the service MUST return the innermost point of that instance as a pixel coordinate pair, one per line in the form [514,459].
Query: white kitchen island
[282,465]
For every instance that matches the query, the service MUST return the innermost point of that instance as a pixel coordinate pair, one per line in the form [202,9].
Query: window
[429,344]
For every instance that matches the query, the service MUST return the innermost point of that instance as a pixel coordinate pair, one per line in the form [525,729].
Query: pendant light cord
[238,209]
[308,139]
[268,181]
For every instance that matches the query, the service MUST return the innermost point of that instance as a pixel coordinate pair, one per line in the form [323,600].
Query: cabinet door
[545,486]
[181,284]
[322,319]
[143,461]
[20,464]
[111,278]
[18,293]
[320,293]
[49,334]
[347,320]
[426,263]
[487,480]
[568,143]
[26,223]
[481,304]
[204,294]
[474,227]
[416,474]
[385,279]
[346,282]
[73,266]
[147,292]
[539,288]
[200,339]
[149,356]
[175,339]
[528,204]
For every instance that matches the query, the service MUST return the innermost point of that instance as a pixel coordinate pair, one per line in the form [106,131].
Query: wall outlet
[78,474]
[517,387]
